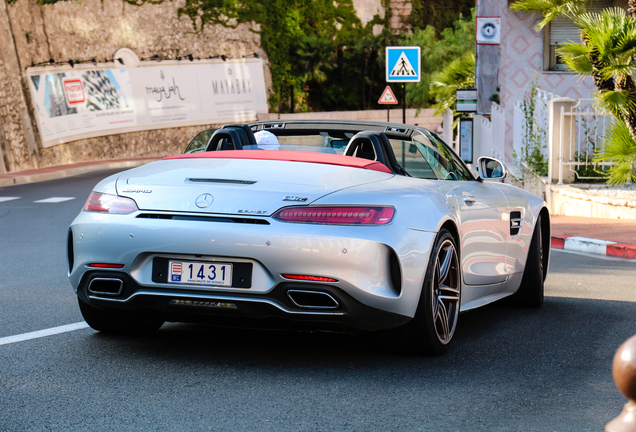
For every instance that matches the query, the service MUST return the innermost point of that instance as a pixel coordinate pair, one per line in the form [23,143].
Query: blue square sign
[403,64]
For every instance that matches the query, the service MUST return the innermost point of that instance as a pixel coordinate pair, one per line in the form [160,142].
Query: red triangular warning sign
[388,97]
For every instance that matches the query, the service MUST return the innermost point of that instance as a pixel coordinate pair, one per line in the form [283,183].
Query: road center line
[43,333]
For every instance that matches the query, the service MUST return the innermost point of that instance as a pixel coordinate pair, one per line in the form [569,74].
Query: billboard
[84,102]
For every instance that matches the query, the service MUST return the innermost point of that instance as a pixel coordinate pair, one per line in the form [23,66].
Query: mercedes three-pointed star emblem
[204,200]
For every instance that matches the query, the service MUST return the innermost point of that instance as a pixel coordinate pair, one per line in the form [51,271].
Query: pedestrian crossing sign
[403,64]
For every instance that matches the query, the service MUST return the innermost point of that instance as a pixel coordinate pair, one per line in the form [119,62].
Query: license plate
[200,273]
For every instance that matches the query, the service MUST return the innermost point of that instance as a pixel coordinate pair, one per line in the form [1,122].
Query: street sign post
[403,65]
[388,98]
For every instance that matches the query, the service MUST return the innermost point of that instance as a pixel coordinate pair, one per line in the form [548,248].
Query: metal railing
[586,131]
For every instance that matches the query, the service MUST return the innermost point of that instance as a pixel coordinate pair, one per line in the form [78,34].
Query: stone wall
[32,34]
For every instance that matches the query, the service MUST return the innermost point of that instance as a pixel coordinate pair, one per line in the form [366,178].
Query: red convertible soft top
[292,156]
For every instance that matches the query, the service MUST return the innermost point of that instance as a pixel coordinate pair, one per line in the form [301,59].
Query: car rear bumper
[377,267]
[302,302]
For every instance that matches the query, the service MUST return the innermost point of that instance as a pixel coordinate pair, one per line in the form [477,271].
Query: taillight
[105,203]
[337,215]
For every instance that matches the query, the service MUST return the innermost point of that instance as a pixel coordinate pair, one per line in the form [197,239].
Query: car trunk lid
[231,186]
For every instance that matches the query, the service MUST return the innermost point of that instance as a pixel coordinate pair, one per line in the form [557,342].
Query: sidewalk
[58,171]
[610,237]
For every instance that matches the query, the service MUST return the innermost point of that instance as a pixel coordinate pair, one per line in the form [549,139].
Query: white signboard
[86,102]
[488,31]
[466,140]
[466,100]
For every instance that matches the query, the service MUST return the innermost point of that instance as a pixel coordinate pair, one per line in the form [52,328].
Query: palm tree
[459,74]
[607,54]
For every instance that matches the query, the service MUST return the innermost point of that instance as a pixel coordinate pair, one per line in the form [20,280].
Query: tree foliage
[317,48]
[450,51]
[439,14]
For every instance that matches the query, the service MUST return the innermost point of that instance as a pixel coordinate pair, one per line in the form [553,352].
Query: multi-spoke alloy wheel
[445,292]
[431,330]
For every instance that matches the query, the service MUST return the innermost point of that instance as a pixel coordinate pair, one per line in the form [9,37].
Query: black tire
[530,293]
[107,322]
[432,329]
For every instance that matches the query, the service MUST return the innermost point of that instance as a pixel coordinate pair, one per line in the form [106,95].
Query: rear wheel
[530,293]
[432,329]
[107,322]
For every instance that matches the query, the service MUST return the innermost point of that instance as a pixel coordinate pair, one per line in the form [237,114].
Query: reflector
[337,215]
[309,278]
[105,265]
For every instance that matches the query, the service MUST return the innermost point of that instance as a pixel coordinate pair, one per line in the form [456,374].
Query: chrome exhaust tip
[106,286]
[312,299]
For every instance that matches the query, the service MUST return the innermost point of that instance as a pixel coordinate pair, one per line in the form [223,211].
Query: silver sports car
[369,226]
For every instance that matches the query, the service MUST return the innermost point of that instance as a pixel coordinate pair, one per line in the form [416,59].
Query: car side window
[411,160]
[199,142]
[441,159]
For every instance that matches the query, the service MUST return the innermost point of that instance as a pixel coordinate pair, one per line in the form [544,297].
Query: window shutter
[563,30]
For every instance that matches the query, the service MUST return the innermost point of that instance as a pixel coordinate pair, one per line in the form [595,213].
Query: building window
[561,31]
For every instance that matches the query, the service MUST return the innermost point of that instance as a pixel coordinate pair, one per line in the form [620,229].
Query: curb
[594,246]
[55,172]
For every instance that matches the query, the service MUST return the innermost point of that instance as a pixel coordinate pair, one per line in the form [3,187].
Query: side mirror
[491,169]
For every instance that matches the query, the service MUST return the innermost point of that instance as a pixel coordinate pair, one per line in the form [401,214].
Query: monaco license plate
[200,273]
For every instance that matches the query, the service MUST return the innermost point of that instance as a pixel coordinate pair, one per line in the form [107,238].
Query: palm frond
[620,148]
[577,57]
[618,102]
[460,73]
[550,9]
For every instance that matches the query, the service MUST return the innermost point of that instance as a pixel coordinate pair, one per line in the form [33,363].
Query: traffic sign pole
[387,98]
[404,103]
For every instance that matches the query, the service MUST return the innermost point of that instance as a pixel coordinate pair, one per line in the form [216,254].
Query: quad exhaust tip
[312,299]
[106,286]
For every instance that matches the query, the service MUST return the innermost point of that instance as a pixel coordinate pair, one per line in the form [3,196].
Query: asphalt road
[510,369]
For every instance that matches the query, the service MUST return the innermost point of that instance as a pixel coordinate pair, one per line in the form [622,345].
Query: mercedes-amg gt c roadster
[360,225]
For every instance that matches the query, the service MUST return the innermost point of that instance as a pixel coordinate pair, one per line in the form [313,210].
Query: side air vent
[515,222]
[224,181]
[396,272]
[192,218]
[69,251]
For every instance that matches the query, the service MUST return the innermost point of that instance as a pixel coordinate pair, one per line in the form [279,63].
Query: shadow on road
[553,335]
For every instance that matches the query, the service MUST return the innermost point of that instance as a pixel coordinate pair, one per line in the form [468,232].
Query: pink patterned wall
[521,63]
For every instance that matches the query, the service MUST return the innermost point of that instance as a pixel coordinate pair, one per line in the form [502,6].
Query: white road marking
[55,200]
[43,333]
[3,199]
